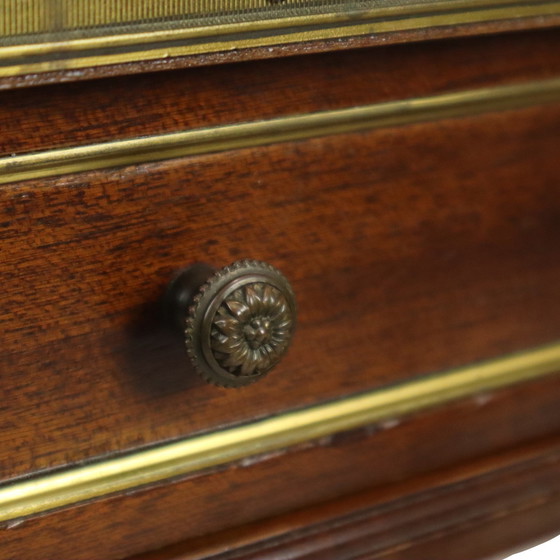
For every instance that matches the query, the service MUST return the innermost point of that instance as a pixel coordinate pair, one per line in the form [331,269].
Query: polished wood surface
[416,249]
[275,484]
[486,508]
[64,115]
[412,250]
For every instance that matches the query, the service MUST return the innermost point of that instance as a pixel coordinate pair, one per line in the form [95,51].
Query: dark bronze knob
[237,321]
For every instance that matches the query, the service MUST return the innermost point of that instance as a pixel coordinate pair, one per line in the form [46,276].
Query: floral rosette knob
[238,321]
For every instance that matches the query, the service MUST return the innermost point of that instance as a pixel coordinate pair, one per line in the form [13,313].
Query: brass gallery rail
[38,36]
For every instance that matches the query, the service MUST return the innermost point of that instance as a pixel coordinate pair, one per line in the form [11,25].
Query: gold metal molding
[52,491]
[283,129]
[61,38]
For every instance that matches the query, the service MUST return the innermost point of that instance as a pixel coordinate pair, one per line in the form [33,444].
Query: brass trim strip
[119,48]
[284,129]
[51,491]
[36,19]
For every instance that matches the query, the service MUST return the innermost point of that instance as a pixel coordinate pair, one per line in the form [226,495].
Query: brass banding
[218,33]
[284,129]
[44,493]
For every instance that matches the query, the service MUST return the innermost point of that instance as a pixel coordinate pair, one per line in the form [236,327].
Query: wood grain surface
[414,37]
[103,110]
[485,508]
[411,250]
[375,457]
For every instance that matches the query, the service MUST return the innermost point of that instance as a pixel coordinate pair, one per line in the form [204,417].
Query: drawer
[409,194]
[411,249]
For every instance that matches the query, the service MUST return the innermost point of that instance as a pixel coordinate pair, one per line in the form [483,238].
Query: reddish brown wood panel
[411,250]
[105,110]
[264,487]
[414,37]
[480,509]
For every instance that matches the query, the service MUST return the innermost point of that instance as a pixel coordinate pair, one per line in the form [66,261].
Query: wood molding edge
[490,506]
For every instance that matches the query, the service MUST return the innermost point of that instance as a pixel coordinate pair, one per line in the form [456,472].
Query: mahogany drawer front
[410,195]
[490,430]
[411,250]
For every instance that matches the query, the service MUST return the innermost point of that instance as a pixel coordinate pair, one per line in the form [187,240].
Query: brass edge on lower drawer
[115,47]
[283,129]
[188,456]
